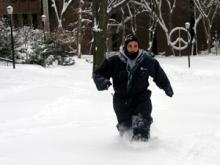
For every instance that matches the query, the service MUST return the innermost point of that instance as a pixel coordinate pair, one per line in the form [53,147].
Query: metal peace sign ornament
[179,43]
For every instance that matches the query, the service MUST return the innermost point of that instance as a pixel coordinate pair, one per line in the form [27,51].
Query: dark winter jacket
[130,77]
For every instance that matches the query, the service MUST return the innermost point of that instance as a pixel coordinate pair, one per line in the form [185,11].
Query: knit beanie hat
[129,38]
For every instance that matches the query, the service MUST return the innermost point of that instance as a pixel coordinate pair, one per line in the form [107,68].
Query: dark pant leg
[144,107]
[142,120]
[123,113]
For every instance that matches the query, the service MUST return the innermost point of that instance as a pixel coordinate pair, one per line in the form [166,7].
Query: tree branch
[116,6]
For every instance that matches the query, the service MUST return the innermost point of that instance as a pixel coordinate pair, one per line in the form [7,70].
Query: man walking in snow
[130,71]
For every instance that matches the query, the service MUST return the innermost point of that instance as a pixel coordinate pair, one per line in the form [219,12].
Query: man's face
[132,47]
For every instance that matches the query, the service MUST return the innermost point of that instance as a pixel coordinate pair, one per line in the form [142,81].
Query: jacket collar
[126,60]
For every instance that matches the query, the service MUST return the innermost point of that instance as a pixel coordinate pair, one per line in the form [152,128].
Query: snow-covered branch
[199,7]
[56,12]
[207,13]
[171,6]
[132,19]
[115,4]
[207,9]
[66,4]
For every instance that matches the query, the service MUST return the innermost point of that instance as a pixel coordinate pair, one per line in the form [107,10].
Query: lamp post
[10,12]
[216,42]
[187,26]
[43,19]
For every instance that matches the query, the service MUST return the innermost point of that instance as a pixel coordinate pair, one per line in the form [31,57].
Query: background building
[26,12]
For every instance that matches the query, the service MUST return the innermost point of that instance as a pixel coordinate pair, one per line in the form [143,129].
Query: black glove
[102,83]
[169,91]
[106,84]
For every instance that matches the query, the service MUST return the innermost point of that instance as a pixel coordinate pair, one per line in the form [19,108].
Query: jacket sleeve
[102,74]
[159,76]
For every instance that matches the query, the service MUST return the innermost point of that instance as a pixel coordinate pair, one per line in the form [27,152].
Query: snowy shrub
[26,41]
[31,48]
[47,52]
[29,40]
[5,42]
[50,60]
[52,52]
[66,39]
[68,61]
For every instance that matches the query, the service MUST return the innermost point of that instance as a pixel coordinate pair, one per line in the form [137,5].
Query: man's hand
[169,91]
[102,84]
[106,84]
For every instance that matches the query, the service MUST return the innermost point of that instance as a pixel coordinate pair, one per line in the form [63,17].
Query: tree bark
[100,18]
[79,31]
[46,13]
[207,34]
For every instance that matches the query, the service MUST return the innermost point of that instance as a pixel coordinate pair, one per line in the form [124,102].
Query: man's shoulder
[148,55]
[111,56]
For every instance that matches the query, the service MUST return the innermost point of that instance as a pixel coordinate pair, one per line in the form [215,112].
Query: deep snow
[56,116]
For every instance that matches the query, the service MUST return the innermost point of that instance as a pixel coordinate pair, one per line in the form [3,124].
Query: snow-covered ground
[55,116]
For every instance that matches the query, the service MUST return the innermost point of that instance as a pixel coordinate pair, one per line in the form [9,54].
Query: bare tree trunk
[152,27]
[123,27]
[208,11]
[152,32]
[209,44]
[46,13]
[79,31]
[197,18]
[207,34]
[100,18]
[170,27]
[132,20]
